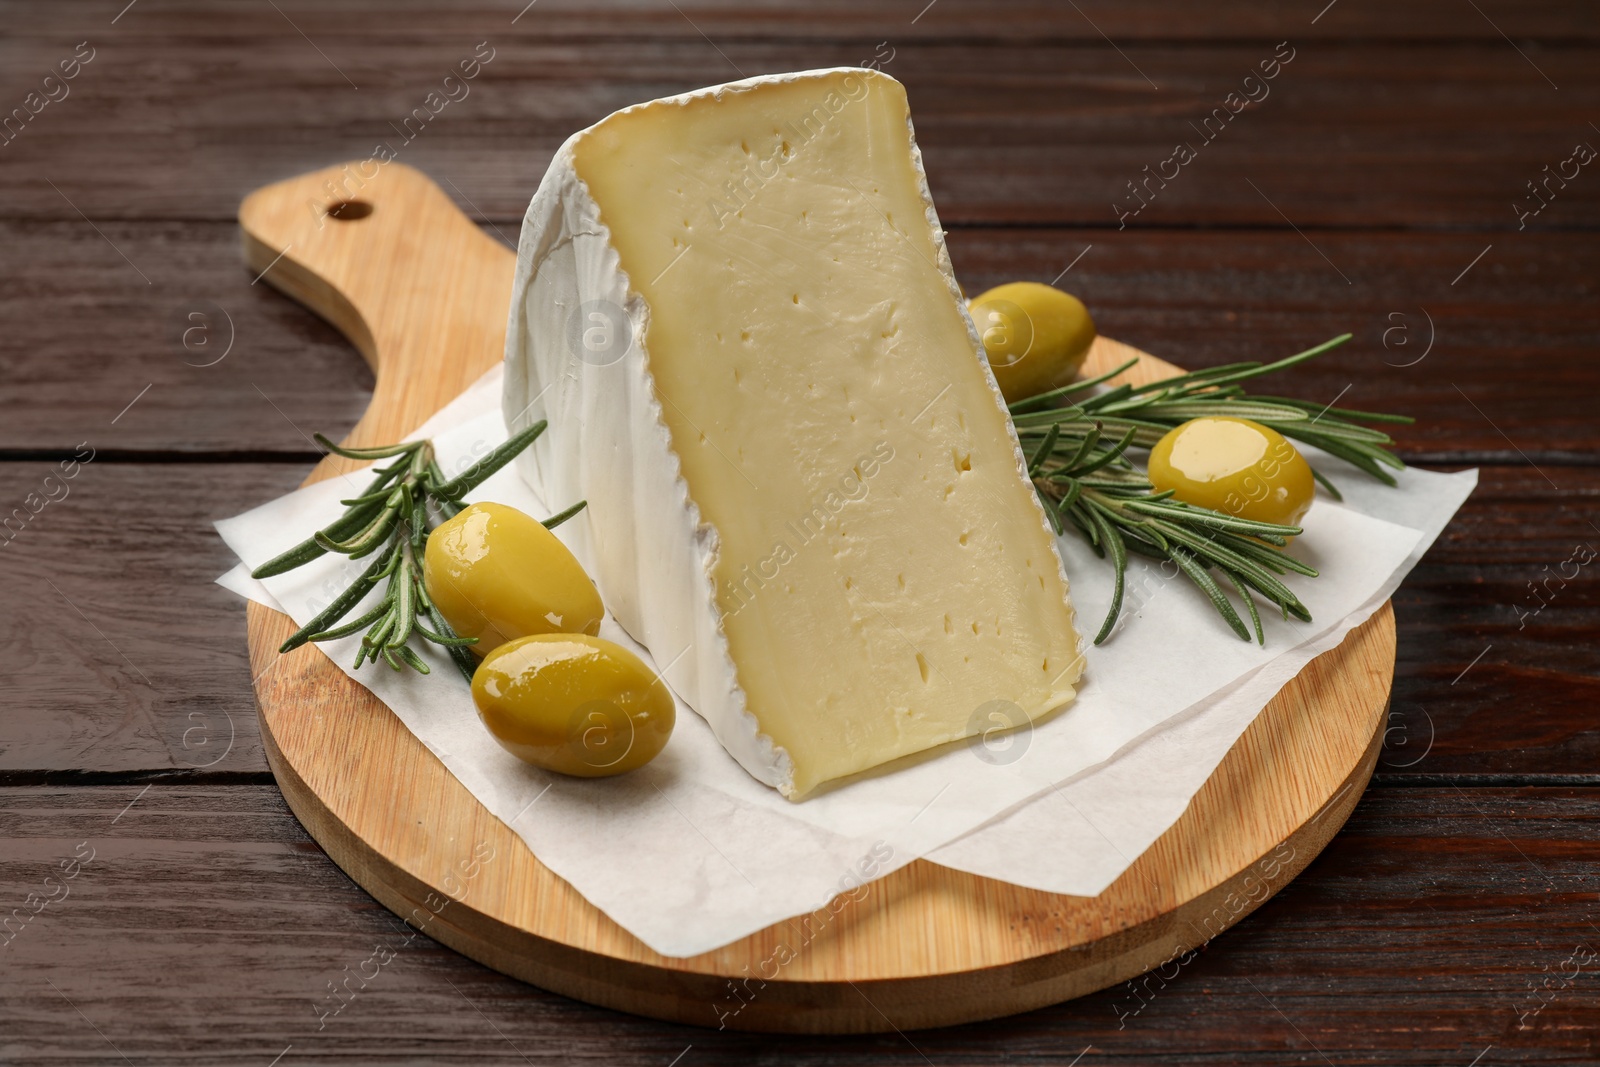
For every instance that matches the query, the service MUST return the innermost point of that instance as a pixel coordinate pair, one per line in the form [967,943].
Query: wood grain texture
[209,926]
[1196,298]
[383,255]
[1408,134]
[1016,21]
[117,650]
[412,282]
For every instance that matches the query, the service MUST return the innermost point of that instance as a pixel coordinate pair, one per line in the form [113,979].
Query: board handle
[382,253]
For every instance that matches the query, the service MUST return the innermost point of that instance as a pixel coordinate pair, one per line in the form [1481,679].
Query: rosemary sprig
[1151,410]
[392,519]
[1088,482]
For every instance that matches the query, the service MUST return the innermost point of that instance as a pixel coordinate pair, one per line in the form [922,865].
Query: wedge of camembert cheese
[805,494]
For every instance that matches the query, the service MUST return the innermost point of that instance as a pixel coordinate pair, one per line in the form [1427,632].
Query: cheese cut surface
[873,567]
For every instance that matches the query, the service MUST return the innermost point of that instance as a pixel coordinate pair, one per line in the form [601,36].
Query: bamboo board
[423,294]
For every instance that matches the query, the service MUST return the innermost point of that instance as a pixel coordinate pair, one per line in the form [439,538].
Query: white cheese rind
[643,539]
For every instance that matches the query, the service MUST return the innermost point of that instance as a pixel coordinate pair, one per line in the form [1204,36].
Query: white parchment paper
[689,852]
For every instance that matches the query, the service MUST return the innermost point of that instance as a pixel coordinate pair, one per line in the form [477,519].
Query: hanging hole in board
[350,210]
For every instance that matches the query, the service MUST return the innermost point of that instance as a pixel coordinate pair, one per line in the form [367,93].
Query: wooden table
[1379,186]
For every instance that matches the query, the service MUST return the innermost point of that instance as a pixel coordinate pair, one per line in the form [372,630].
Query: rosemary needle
[391,520]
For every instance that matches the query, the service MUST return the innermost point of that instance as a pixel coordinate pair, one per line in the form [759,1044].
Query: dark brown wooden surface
[1413,939]
[1525,313]
[1358,196]
[1353,132]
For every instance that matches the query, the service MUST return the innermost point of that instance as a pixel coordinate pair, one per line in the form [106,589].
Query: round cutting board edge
[725,989]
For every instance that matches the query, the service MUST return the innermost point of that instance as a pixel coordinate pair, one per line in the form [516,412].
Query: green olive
[1036,336]
[497,574]
[1234,466]
[573,703]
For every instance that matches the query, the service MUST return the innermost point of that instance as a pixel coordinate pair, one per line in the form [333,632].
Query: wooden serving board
[423,294]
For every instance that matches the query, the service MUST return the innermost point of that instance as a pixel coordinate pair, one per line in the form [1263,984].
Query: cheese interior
[884,571]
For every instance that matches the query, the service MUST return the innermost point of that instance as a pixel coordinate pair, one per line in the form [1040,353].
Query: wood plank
[128,657]
[1419,937]
[912,20]
[208,361]
[85,335]
[182,124]
[1525,708]
[1498,630]
[1426,344]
